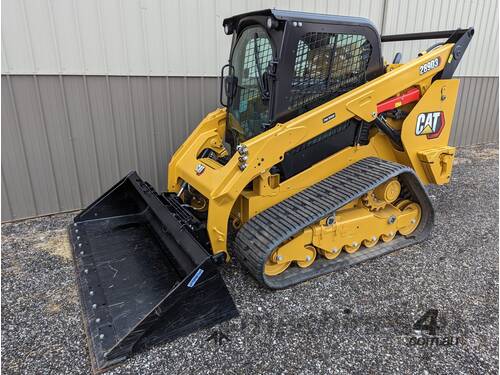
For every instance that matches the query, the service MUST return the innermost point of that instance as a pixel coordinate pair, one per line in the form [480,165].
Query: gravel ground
[359,320]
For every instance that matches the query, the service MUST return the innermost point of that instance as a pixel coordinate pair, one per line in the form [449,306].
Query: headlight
[271,23]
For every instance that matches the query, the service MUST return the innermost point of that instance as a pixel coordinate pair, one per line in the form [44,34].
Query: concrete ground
[359,320]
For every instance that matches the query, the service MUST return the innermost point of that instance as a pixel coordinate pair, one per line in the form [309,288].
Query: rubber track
[263,233]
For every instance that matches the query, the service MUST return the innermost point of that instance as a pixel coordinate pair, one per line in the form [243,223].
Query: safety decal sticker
[195,278]
[430,123]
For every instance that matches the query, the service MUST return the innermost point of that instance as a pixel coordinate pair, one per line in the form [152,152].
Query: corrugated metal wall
[185,37]
[92,89]
[481,57]
[135,37]
[66,139]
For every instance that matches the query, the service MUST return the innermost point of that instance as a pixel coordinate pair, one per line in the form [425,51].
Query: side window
[327,65]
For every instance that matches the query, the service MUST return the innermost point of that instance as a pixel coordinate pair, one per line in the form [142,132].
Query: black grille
[309,153]
[326,66]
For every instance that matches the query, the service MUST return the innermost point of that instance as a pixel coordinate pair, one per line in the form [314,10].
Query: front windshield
[248,110]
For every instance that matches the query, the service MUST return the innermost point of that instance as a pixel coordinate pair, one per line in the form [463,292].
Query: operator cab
[285,63]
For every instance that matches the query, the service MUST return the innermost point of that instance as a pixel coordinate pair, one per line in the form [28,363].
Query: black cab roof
[288,15]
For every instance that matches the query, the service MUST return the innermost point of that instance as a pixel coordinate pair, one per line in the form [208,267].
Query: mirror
[230,84]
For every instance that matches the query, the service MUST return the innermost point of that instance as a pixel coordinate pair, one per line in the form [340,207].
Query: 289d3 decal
[430,123]
[429,65]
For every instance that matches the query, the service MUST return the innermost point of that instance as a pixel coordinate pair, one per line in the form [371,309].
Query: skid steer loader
[317,161]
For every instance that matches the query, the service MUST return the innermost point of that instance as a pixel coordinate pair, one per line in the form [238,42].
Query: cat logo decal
[430,123]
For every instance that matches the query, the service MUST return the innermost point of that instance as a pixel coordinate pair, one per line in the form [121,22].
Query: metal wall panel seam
[113,126]
[144,32]
[186,112]
[164,43]
[458,136]
[488,109]
[487,27]
[476,51]
[167,90]
[472,125]
[7,199]
[464,66]
[455,117]
[54,37]
[101,39]
[183,44]
[91,120]
[202,90]
[473,46]
[203,69]
[79,37]
[71,139]
[489,19]
[468,101]
[494,120]
[4,54]
[153,132]
[493,104]
[462,109]
[23,145]
[479,109]
[483,101]
[28,36]
[492,44]
[472,103]
[475,125]
[169,118]
[359,6]
[132,116]
[46,136]
[124,39]
[383,25]
[216,54]
[458,112]
[463,102]
[495,132]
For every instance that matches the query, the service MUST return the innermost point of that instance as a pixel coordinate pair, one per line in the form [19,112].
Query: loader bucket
[143,276]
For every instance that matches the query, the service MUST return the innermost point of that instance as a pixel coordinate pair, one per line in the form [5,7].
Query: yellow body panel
[423,151]
[224,186]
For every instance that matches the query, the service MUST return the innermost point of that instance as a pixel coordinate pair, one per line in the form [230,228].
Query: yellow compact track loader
[317,161]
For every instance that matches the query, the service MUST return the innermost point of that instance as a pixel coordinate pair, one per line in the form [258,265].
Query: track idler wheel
[371,242]
[272,268]
[330,254]
[309,258]
[352,248]
[414,222]
[388,237]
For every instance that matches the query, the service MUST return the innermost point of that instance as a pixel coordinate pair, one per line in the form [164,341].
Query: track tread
[264,232]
